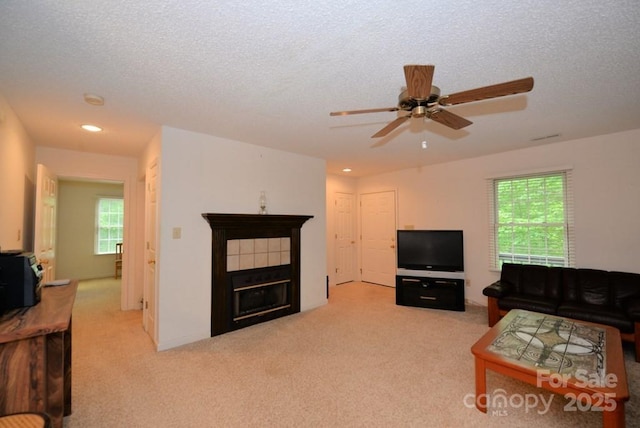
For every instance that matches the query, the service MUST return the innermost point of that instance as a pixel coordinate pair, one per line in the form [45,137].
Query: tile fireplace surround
[248,243]
[255,253]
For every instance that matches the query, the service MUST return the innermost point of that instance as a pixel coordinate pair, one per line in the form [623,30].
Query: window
[109,224]
[532,220]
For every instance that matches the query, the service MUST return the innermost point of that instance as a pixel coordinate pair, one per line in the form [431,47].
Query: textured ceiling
[270,74]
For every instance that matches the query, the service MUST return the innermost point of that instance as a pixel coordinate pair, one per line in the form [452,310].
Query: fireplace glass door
[260,299]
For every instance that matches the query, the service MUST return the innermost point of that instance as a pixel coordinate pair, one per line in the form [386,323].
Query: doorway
[81,253]
[74,165]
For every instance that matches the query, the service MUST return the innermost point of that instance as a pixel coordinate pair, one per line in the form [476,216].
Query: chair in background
[118,262]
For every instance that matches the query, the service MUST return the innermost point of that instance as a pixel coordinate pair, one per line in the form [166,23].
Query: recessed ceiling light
[346,170]
[93,99]
[91,128]
[424,144]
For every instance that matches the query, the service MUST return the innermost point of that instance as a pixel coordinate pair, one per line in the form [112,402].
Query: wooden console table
[35,355]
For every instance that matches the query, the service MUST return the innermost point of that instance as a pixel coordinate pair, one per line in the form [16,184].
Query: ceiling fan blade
[391,126]
[371,110]
[419,78]
[486,92]
[449,119]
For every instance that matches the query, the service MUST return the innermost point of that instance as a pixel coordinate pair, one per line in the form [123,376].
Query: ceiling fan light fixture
[419,111]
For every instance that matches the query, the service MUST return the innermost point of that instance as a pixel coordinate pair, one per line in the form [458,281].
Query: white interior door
[44,242]
[149,292]
[378,237]
[345,234]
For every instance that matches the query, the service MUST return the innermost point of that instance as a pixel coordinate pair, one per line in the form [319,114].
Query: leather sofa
[599,296]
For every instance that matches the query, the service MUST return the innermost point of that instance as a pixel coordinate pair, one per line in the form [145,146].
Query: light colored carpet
[360,361]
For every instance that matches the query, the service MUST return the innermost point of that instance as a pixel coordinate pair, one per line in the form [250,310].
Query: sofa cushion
[570,290]
[533,280]
[529,303]
[633,309]
[596,314]
[510,275]
[625,286]
[594,287]
[590,286]
[554,283]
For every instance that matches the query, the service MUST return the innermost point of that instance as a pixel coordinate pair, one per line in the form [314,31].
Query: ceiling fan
[421,99]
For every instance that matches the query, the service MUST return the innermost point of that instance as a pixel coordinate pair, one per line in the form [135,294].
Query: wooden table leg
[614,418]
[481,385]
[67,370]
[55,378]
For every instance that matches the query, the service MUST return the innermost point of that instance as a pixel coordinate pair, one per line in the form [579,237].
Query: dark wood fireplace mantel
[239,225]
[247,226]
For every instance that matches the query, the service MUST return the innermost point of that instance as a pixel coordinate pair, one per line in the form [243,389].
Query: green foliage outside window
[110,224]
[531,220]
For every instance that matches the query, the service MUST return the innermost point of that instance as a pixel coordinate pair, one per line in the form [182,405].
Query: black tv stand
[430,289]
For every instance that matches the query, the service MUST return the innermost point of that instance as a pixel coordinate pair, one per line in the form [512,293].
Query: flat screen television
[437,250]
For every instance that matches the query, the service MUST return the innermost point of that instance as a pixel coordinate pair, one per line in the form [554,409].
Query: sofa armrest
[497,289]
[633,309]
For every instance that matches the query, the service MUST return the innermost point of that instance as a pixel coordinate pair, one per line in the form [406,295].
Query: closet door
[378,237]
[345,233]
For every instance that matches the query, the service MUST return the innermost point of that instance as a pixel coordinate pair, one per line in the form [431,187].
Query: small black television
[437,250]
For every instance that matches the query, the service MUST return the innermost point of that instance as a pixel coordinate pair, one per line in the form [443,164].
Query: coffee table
[582,361]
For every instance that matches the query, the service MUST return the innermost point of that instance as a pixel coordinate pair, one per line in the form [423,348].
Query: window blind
[531,219]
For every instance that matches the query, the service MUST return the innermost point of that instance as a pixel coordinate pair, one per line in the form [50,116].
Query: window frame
[495,262]
[98,240]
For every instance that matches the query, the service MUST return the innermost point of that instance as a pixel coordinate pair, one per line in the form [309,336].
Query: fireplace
[260,294]
[255,273]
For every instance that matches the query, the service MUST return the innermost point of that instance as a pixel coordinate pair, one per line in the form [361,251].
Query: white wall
[72,164]
[606,172]
[205,174]
[17,181]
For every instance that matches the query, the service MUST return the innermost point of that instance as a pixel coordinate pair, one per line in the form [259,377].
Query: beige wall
[17,182]
[606,197]
[75,244]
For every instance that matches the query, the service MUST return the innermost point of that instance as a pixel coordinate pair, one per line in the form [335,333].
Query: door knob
[151,262]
